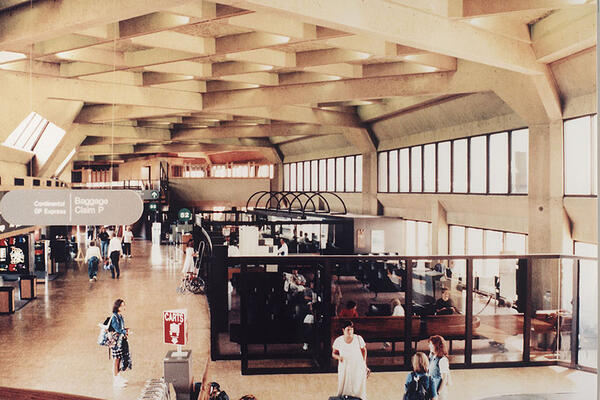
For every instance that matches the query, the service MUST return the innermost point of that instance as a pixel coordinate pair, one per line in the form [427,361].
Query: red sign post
[175,327]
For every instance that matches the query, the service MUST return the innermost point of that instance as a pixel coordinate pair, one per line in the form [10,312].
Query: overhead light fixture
[363,56]
[253,85]
[8,56]
[428,68]
[64,54]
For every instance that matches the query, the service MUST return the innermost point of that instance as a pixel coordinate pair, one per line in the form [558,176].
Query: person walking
[115,250]
[92,257]
[351,352]
[419,385]
[120,351]
[439,367]
[127,240]
[189,267]
[104,239]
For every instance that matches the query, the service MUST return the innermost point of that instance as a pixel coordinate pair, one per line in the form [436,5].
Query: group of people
[110,251]
[215,393]
[430,375]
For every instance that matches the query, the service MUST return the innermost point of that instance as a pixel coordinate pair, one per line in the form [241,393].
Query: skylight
[33,131]
[65,162]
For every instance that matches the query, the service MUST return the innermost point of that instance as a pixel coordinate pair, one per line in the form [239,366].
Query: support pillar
[439,229]
[369,193]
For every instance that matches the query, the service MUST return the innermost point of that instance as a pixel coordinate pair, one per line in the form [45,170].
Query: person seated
[297,278]
[444,305]
[216,393]
[397,309]
[294,282]
[349,311]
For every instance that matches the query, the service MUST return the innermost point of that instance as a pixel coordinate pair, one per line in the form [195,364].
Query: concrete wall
[209,192]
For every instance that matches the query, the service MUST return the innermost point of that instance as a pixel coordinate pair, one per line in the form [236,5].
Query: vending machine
[43,262]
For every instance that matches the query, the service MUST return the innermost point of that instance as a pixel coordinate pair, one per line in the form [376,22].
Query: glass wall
[486,164]
[588,305]
[340,174]
[580,156]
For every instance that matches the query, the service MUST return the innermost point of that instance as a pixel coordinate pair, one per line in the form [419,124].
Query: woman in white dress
[189,266]
[351,352]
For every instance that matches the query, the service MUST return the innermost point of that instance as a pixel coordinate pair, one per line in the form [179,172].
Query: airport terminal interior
[250,176]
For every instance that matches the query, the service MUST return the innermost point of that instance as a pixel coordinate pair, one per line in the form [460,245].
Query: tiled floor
[51,344]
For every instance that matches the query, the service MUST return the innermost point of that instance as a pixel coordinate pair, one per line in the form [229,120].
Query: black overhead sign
[71,207]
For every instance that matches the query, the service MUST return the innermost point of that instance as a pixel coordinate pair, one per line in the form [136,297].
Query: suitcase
[344,397]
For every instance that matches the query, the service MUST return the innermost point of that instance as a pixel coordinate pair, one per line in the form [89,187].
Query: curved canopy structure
[303,202]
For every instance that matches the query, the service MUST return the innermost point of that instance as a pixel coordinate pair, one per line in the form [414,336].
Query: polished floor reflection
[50,344]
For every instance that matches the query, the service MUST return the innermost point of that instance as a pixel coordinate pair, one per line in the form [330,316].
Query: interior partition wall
[282,329]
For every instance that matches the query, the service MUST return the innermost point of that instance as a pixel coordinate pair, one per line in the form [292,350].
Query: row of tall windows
[340,174]
[493,163]
[418,238]
[249,170]
[581,156]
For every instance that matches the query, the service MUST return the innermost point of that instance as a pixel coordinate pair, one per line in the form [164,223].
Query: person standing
[104,239]
[216,393]
[418,384]
[120,351]
[127,239]
[351,352]
[283,248]
[439,367]
[189,267]
[92,257]
[115,250]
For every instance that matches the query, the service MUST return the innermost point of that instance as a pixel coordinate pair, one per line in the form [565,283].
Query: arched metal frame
[283,198]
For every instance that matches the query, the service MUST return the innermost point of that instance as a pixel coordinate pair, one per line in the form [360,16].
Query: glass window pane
[578,162]
[322,175]
[339,174]
[588,306]
[314,175]
[359,171]
[459,164]
[519,142]
[423,242]
[515,243]
[405,170]
[393,162]
[350,174]
[499,163]
[331,174]
[429,168]
[457,248]
[444,167]
[382,175]
[306,175]
[411,238]
[293,177]
[286,177]
[478,164]
[415,169]
[300,178]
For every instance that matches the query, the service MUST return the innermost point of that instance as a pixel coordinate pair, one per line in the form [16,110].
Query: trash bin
[27,287]
[178,371]
[7,299]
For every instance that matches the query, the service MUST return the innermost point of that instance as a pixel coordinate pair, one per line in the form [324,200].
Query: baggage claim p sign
[71,207]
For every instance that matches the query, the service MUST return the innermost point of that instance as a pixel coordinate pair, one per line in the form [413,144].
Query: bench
[450,327]
[378,329]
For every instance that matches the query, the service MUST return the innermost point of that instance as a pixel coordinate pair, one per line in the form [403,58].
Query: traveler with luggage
[120,351]
[351,352]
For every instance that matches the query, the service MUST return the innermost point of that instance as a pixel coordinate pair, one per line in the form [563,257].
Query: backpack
[107,336]
[418,388]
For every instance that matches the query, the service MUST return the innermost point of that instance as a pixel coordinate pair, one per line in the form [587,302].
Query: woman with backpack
[439,367]
[419,385]
[120,351]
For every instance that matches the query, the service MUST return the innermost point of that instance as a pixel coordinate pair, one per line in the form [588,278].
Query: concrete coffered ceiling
[271,78]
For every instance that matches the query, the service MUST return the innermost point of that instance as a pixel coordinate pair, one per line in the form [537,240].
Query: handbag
[106,337]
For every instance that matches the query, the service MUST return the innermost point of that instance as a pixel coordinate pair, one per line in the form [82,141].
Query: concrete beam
[269,130]
[108,113]
[118,131]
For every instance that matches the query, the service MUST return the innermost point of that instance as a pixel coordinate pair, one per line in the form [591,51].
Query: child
[419,385]
[439,366]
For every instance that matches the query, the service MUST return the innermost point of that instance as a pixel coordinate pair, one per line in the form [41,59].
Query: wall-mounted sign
[184,215]
[154,194]
[153,206]
[175,327]
[71,207]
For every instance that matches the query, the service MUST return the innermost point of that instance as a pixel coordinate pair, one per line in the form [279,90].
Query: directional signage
[71,207]
[175,327]
[154,194]
[153,206]
[184,215]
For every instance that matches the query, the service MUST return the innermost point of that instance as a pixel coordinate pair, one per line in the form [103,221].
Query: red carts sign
[175,327]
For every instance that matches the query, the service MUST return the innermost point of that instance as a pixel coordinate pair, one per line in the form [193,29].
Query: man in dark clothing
[216,393]
[443,305]
[104,239]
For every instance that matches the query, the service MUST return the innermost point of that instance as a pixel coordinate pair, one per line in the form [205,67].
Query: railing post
[408,315]
[469,316]
[527,316]
[244,316]
[326,333]
[575,316]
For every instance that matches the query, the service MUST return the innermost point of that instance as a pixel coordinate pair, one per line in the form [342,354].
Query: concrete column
[439,229]
[549,225]
[369,194]
[277,181]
